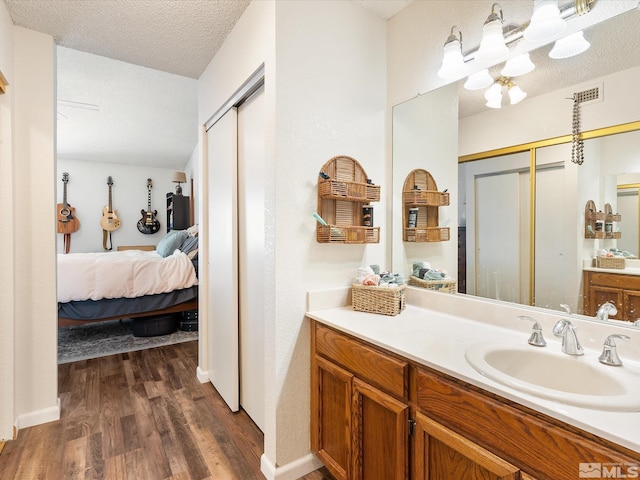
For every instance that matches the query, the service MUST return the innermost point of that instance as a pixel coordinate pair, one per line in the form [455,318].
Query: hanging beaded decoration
[577,144]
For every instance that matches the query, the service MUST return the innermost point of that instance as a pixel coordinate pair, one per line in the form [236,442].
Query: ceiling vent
[589,96]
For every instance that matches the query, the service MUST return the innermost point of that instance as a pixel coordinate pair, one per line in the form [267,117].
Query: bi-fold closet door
[235,267]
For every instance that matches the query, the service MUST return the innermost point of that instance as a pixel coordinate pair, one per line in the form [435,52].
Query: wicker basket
[445,285]
[382,300]
[610,262]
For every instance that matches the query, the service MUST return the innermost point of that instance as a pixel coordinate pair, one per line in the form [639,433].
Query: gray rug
[94,340]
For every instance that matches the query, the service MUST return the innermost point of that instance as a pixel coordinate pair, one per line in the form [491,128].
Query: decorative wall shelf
[341,197]
[421,198]
[600,224]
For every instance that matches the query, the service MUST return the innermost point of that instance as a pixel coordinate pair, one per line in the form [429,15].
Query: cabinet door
[600,295]
[380,435]
[631,305]
[331,416]
[442,454]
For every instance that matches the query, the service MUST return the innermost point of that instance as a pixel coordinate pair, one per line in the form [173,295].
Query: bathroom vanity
[395,398]
[618,286]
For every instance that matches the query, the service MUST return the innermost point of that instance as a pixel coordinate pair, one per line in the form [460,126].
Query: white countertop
[439,340]
[619,271]
[632,267]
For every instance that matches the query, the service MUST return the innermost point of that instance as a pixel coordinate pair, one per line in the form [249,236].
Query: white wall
[325,71]
[7,248]
[87,192]
[331,98]
[35,318]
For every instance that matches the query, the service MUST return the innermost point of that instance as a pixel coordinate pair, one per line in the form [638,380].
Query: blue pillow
[170,242]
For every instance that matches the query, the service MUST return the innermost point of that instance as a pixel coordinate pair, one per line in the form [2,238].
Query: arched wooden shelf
[420,192]
[341,197]
[599,223]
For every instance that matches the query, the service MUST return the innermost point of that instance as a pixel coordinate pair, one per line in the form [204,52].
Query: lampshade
[492,46]
[546,22]
[518,66]
[516,95]
[569,46]
[493,95]
[453,65]
[496,103]
[478,80]
[179,177]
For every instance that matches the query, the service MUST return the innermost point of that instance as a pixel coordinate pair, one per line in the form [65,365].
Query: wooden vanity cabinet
[621,289]
[360,414]
[377,415]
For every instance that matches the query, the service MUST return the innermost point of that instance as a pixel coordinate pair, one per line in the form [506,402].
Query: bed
[95,287]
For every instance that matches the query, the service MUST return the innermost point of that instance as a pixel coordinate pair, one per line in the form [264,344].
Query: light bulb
[519,65]
[453,65]
[478,80]
[546,22]
[569,46]
[492,46]
[516,95]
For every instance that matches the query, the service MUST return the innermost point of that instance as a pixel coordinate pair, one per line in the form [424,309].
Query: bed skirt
[125,307]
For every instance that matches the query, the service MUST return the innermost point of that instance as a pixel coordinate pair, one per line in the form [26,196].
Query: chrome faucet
[609,354]
[536,339]
[606,309]
[567,331]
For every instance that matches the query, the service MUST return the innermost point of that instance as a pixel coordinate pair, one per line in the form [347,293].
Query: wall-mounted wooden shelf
[340,201]
[420,192]
[599,224]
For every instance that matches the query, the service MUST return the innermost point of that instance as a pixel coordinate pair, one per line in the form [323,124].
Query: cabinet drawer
[529,440]
[383,371]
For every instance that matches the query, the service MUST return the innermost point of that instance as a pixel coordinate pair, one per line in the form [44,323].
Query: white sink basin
[543,372]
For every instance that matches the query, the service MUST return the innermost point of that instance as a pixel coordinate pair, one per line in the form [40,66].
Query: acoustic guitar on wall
[148,224]
[109,221]
[67,220]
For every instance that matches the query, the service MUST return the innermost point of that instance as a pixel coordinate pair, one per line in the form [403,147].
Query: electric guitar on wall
[148,224]
[67,220]
[109,220]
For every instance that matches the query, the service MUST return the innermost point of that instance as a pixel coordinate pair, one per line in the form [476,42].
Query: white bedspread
[128,274]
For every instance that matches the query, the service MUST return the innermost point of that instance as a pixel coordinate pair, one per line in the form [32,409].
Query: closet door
[498,237]
[222,233]
[251,159]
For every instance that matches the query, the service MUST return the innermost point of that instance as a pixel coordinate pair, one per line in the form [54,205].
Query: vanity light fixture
[478,80]
[569,46]
[493,47]
[453,66]
[517,66]
[546,22]
[494,94]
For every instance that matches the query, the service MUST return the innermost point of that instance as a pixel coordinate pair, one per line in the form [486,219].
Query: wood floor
[140,415]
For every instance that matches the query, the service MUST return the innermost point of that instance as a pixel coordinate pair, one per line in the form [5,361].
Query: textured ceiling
[182,36]
[177,36]
[117,112]
[135,115]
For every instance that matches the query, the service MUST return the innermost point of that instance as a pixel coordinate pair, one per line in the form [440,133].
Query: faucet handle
[609,354]
[566,308]
[536,339]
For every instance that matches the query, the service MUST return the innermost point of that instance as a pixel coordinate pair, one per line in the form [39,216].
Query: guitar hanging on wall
[68,223]
[148,224]
[109,221]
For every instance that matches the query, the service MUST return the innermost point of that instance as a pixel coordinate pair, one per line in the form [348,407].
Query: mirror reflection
[521,204]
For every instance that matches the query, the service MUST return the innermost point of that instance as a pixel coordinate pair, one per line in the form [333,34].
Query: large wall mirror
[517,198]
